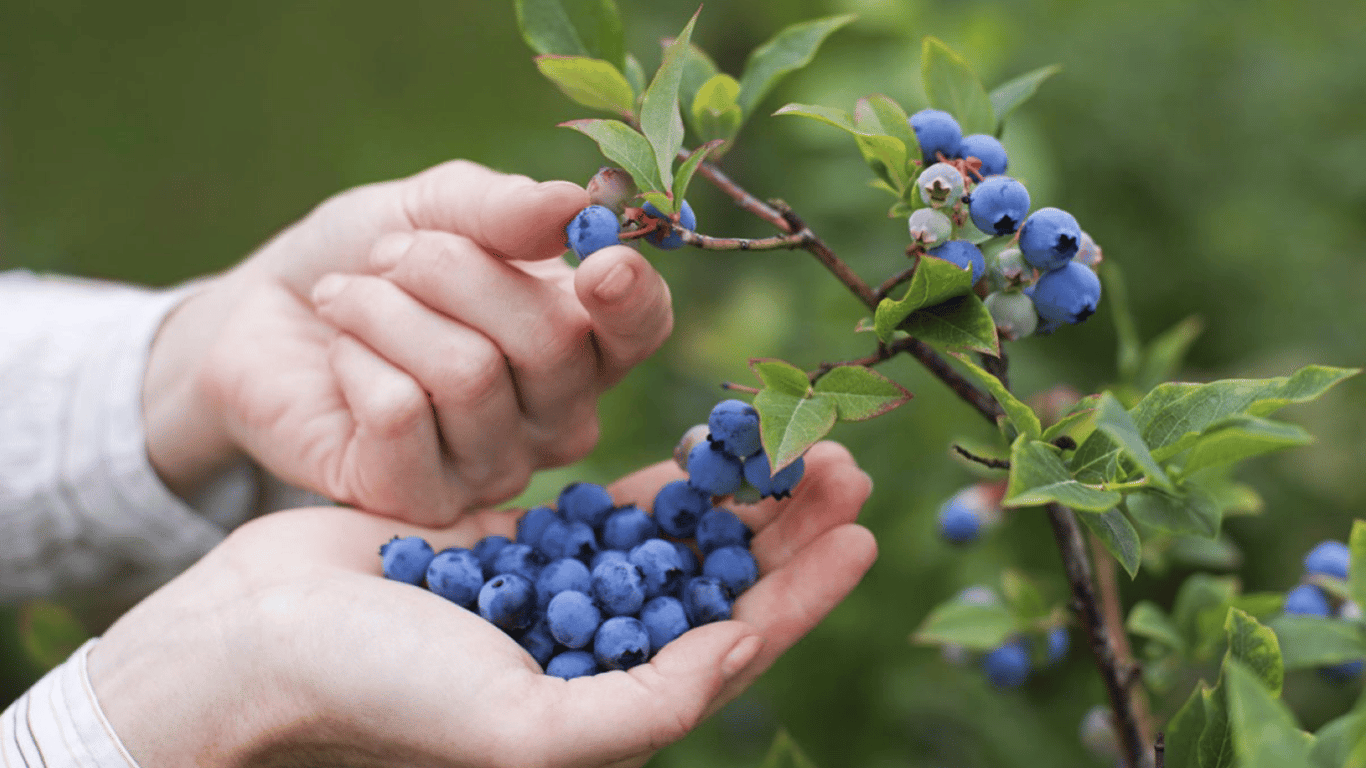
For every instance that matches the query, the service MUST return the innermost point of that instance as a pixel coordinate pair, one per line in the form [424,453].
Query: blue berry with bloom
[1009,665]
[705,600]
[562,575]
[657,560]
[1328,558]
[664,620]
[508,601]
[937,133]
[1059,642]
[998,205]
[594,228]
[1307,600]
[779,486]
[721,528]
[621,642]
[987,149]
[1066,296]
[572,664]
[678,506]
[734,425]
[964,254]
[713,470]
[627,527]
[618,587]
[533,523]
[538,642]
[734,567]
[686,219]
[406,559]
[586,502]
[456,575]
[521,559]
[1049,238]
[573,619]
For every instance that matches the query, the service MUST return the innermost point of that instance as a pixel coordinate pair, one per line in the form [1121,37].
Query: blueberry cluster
[1011,663]
[1328,560]
[967,513]
[1047,277]
[599,225]
[591,585]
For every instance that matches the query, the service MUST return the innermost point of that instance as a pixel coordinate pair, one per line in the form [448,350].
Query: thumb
[629,305]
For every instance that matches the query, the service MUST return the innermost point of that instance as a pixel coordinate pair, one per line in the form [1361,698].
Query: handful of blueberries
[591,585]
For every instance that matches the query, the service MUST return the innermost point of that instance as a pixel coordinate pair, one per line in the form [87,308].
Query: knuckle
[392,407]
[468,374]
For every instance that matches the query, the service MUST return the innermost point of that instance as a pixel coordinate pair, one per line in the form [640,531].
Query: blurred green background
[1215,150]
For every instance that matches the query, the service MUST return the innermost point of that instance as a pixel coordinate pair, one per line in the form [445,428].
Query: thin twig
[985,461]
[1160,751]
[1112,610]
[884,353]
[741,197]
[881,291]
[706,242]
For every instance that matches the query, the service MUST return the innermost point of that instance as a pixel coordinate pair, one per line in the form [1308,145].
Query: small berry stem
[739,387]
[983,460]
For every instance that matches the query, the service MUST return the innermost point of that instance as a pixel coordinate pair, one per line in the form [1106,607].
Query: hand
[413,348]
[285,646]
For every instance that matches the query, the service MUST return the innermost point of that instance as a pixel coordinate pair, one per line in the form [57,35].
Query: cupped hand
[412,348]
[284,646]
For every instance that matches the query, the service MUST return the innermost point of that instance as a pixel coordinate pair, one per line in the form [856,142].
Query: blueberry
[487,549]
[678,506]
[531,525]
[734,567]
[573,618]
[456,575]
[627,527]
[687,560]
[929,226]
[579,541]
[713,471]
[658,563]
[1059,641]
[508,601]
[571,664]
[621,643]
[561,575]
[1328,558]
[734,425]
[998,205]
[1008,666]
[1049,238]
[520,559]
[1344,672]
[964,254]
[940,185]
[406,559]
[664,620]
[586,502]
[619,555]
[593,229]
[1066,296]
[937,133]
[538,642]
[779,486]
[618,587]
[697,433]
[704,600]
[686,220]
[552,540]
[721,528]
[1307,600]
[987,149]
[1013,313]
[959,523]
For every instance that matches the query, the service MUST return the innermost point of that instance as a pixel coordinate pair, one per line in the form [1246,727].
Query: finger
[543,331]
[468,380]
[630,307]
[512,216]
[391,461]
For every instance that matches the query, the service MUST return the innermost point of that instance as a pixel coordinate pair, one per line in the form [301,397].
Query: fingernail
[741,655]
[616,284]
[328,287]
[390,249]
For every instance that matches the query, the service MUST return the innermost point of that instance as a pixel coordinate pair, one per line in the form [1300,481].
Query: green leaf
[1115,422]
[635,75]
[1200,609]
[784,753]
[1184,729]
[1256,648]
[1215,747]
[789,425]
[1023,596]
[624,146]
[660,119]
[1147,620]
[573,28]
[886,155]
[715,114]
[952,86]
[1263,606]
[828,115]
[782,376]
[1264,731]
[891,120]
[1314,641]
[1038,476]
[961,323]
[1341,743]
[50,632]
[1079,420]
[1241,437]
[1164,355]
[860,393]
[1021,415]
[934,282]
[698,68]
[1119,537]
[1130,348]
[1007,97]
[594,83]
[689,167]
[1190,511]
[1356,574]
[661,200]
[789,50]
[973,626]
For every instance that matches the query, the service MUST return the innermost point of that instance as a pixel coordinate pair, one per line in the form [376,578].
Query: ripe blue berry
[1307,600]
[664,620]
[964,254]
[713,471]
[734,567]
[571,664]
[937,133]
[579,541]
[538,642]
[586,502]
[721,528]
[562,575]
[593,229]
[627,527]
[508,601]
[734,425]
[686,220]
[621,643]
[456,575]
[687,561]
[1068,295]
[1049,238]
[779,486]
[1344,672]
[1059,641]
[487,550]
[940,185]
[959,522]
[533,523]
[1009,665]
[1013,313]
[987,149]
[704,600]
[998,205]
[618,587]
[603,556]
[573,618]
[657,560]
[1328,558]
[521,559]
[678,506]
[406,559]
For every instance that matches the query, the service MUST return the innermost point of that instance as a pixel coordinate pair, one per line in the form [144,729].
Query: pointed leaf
[1356,574]
[1007,97]
[1264,731]
[974,626]
[599,26]
[547,29]
[698,68]
[1021,415]
[1241,437]
[951,85]
[828,115]
[1038,476]
[1130,348]
[623,146]
[1119,537]
[1341,743]
[714,112]
[635,75]
[789,425]
[891,120]
[1200,609]
[593,83]
[860,393]
[1080,417]
[1023,596]
[1314,641]
[789,50]
[961,323]
[1147,620]
[1184,729]
[885,155]
[934,282]
[1190,511]
[689,167]
[1216,748]
[781,376]
[1164,355]
[1115,422]
[1256,648]
[660,120]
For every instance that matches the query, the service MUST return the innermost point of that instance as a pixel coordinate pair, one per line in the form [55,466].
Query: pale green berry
[929,227]
[941,184]
[695,434]
[1013,313]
